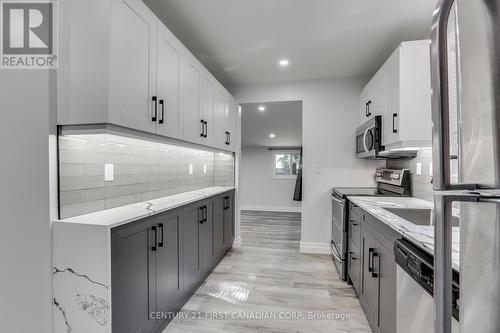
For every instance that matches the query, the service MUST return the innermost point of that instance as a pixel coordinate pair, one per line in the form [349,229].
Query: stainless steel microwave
[369,138]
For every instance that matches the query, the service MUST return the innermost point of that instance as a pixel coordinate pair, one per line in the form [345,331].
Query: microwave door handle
[364,140]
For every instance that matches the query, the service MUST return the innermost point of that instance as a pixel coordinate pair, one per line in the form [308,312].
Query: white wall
[259,191]
[330,117]
[25,249]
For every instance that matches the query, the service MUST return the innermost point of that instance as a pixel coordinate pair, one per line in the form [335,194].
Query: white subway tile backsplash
[121,201]
[103,193]
[142,171]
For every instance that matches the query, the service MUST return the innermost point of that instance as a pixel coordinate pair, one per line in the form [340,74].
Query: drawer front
[354,212]
[355,232]
[354,265]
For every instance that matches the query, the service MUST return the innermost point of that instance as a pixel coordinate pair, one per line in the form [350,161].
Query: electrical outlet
[109,172]
[419,169]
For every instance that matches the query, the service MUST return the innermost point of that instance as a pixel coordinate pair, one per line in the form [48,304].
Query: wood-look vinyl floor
[267,285]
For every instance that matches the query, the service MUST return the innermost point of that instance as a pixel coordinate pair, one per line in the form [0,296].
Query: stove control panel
[397,177]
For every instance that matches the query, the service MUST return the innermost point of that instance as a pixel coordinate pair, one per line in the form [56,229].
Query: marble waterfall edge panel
[81,278]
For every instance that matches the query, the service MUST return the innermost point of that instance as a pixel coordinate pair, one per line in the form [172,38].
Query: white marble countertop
[422,236]
[115,217]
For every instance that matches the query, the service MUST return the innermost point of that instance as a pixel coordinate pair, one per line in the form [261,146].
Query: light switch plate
[191,169]
[431,170]
[204,168]
[419,169]
[109,172]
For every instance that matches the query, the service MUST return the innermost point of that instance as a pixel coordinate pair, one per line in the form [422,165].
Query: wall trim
[283,209]
[313,247]
[237,242]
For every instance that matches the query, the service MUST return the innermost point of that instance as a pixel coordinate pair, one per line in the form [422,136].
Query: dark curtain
[297,194]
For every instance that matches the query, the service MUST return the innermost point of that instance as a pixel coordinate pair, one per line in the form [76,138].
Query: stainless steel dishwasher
[415,285]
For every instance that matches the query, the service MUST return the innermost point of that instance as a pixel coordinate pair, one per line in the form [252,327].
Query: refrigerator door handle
[440,96]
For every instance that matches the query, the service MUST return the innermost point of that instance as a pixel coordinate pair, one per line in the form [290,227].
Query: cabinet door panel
[192,102]
[386,269]
[132,80]
[219,226]
[168,265]
[133,278]
[190,246]
[221,111]
[368,287]
[206,238]
[168,83]
[229,222]
[354,265]
[392,81]
[207,108]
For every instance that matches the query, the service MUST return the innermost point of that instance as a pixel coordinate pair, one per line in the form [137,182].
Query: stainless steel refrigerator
[465,54]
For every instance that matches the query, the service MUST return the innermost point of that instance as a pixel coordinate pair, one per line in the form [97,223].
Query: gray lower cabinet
[218,218]
[372,270]
[228,220]
[191,222]
[168,265]
[133,278]
[158,262]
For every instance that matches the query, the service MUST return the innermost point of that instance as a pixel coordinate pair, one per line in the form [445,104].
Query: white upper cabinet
[372,101]
[128,69]
[408,121]
[207,109]
[401,93]
[168,84]
[132,69]
[193,124]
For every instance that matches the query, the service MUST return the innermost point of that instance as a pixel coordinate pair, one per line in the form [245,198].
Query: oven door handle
[333,250]
[340,201]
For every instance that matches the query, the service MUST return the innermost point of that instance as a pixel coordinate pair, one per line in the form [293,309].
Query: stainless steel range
[390,182]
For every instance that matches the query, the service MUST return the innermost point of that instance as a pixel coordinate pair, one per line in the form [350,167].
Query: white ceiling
[241,41]
[284,119]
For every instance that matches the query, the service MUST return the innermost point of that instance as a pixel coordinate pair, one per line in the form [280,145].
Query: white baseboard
[283,209]
[317,248]
[237,242]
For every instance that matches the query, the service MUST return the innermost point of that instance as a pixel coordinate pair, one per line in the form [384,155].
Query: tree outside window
[286,164]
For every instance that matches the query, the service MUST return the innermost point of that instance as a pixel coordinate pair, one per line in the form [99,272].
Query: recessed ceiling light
[272,136]
[262,108]
[284,62]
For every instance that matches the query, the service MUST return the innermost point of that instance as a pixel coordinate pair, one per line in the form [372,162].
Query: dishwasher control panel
[420,266]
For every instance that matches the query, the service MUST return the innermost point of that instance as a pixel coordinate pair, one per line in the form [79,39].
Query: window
[286,163]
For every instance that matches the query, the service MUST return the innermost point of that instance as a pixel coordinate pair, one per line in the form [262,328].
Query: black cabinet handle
[374,273]
[370,259]
[200,213]
[394,116]
[228,138]
[367,108]
[206,129]
[202,134]
[162,104]
[160,244]
[206,213]
[153,248]
[156,109]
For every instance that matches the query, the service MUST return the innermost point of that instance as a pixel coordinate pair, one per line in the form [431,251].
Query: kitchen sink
[419,216]
[415,216]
